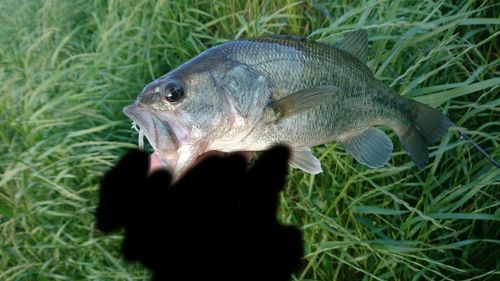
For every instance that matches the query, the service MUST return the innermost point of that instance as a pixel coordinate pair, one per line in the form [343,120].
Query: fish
[250,94]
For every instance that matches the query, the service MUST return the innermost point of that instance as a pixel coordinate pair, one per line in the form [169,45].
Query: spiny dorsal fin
[302,100]
[356,44]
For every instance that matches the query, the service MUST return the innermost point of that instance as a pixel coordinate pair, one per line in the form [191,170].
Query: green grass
[67,68]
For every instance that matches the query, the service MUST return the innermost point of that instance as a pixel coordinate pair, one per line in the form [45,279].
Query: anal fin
[303,159]
[371,148]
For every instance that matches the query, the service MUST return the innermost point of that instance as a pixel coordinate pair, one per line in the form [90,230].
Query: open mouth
[157,130]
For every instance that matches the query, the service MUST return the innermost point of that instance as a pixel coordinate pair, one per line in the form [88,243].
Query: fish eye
[173,92]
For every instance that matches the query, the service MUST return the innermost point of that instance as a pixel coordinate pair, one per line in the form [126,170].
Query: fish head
[180,113]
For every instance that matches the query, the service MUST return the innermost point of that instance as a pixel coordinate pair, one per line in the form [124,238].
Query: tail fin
[427,125]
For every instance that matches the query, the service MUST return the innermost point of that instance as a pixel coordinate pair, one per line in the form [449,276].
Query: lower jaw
[154,163]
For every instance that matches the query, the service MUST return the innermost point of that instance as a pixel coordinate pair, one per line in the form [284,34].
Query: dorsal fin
[289,37]
[356,44]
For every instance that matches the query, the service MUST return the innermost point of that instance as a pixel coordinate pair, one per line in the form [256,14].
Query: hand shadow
[217,222]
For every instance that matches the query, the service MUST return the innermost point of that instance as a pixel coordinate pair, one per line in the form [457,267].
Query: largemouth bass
[249,94]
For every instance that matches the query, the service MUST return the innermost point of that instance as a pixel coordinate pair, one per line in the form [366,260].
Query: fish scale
[250,94]
[298,65]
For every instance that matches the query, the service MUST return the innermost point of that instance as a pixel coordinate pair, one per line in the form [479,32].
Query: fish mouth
[163,131]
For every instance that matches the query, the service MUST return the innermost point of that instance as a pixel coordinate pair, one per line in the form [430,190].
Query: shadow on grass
[217,222]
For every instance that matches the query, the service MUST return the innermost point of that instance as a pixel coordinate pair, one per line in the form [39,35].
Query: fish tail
[426,126]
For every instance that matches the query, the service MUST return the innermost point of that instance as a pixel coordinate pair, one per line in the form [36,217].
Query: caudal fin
[427,126]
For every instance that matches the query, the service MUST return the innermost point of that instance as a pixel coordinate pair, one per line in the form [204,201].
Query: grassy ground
[68,67]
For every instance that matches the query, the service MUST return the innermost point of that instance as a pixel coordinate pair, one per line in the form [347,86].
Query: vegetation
[67,68]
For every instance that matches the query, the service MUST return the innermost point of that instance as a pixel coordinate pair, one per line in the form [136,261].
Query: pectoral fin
[303,159]
[371,148]
[302,100]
